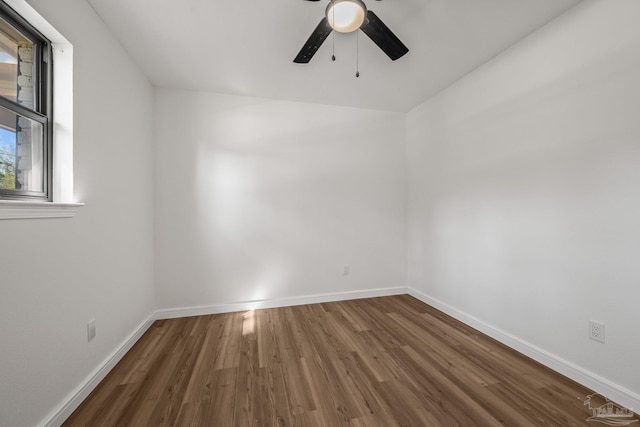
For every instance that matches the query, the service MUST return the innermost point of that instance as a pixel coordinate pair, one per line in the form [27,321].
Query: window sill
[16,209]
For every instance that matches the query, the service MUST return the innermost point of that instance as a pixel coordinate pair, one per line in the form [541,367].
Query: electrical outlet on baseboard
[596,331]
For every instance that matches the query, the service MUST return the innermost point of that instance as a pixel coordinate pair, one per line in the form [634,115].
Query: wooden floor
[390,361]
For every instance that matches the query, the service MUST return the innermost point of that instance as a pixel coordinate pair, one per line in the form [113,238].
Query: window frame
[43,103]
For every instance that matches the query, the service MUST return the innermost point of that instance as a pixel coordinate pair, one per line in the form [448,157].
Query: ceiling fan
[346,16]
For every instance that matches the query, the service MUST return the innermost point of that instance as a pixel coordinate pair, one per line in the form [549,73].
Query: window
[25,110]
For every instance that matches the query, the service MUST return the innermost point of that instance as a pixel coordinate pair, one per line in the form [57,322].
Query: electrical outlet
[346,270]
[91,330]
[596,331]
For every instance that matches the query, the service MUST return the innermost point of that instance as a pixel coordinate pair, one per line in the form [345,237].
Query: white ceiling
[247,47]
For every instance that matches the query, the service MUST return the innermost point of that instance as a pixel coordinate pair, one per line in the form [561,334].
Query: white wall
[55,275]
[258,199]
[524,178]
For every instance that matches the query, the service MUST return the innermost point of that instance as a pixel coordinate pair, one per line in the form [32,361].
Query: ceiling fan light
[346,16]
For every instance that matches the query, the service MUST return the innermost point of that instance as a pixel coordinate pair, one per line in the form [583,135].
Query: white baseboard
[612,391]
[272,303]
[77,396]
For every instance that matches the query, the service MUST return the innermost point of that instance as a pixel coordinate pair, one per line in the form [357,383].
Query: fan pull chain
[357,53]
[333,48]
[333,37]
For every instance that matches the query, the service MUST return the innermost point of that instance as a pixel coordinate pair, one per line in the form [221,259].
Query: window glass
[21,152]
[16,65]
[25,110]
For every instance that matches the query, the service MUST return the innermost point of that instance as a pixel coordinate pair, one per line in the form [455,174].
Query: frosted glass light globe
[346,16]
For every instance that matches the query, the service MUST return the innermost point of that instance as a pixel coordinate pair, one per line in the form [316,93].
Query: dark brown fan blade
[383,37]
[315,41]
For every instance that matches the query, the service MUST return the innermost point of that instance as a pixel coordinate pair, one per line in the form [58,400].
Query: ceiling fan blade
[383,37]
[315,41]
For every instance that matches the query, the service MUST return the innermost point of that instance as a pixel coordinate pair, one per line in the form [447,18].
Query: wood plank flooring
[390,361]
